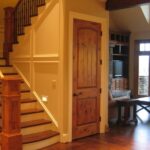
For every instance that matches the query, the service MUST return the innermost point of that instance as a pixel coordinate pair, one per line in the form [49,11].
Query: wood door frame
[104,23]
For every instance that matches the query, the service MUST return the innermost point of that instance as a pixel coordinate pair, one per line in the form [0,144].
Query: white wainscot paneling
[24,69]
[46,84]
[46,33]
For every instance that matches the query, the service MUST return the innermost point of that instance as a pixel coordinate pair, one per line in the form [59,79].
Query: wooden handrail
[11,134]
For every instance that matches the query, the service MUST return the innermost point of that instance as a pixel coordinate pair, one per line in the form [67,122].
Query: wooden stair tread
[25,91]
[39,136]
[28,100]
[6,66]
[30,111]
[22,91]
[13,75]
[7,74]
[34,123]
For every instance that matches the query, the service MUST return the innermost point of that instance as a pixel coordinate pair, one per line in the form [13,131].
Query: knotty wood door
[86,78]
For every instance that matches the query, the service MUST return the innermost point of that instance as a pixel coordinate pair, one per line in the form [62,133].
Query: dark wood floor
[128,137]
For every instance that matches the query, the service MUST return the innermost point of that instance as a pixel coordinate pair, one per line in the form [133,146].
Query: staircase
[37,128]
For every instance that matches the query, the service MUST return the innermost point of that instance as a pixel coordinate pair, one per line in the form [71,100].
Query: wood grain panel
[87,58]
[86,111]
[86,78]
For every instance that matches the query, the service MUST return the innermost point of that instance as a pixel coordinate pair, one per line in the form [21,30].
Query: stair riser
[7,70]
[28,105]
[24,106]
[36,129]
[32,116]
[25,95]
[21,88]
[24,86]
[41,144]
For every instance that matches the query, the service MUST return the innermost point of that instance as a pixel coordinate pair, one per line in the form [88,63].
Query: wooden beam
[120,4]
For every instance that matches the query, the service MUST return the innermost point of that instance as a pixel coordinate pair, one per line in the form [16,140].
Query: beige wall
[43,57]
[135,36]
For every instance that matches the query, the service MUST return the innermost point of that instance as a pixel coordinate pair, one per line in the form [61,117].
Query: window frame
[136,66]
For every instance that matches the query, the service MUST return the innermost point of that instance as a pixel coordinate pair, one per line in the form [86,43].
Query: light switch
[54,84]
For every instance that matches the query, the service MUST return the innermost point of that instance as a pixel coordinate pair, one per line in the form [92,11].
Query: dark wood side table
[144,103]
[126,103]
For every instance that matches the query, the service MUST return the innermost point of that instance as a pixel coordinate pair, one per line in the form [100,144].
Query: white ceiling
[131,19]
[3,4]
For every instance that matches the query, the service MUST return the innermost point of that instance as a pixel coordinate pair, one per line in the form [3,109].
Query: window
[144,47]
[143,75]
[142,82]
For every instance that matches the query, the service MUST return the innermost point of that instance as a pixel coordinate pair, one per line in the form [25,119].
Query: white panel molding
[61,73]
[65,138]
[53,56]
[36,61]
[21,74]
[45,108]
[46,62]
[39,58]
[46,56]
[21,59]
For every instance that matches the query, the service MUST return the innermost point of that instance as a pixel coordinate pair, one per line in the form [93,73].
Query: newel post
[11,133]
[8,32]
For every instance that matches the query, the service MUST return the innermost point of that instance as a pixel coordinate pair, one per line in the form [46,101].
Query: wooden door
[86,78]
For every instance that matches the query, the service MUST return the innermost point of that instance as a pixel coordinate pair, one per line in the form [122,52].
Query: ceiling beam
[120,4]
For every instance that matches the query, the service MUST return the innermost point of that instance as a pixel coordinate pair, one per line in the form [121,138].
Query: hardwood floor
[129,137]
